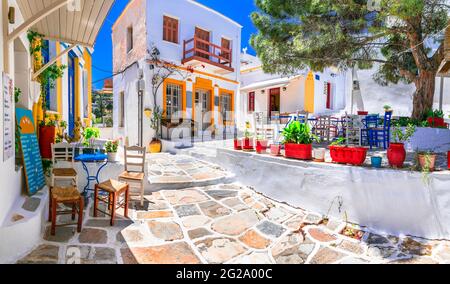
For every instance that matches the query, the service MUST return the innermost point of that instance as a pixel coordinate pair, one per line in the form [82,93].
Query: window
[130,42]
[226,107]
[122,109]
[170,29]
[173,101]
[251,102]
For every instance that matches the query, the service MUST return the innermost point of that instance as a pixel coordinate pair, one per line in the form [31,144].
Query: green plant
[435,114]
[155,120]
[338,142]
[402,136]
[89,135]
[387,108]
[298,133]
[112,146]
[63,124]
[51,74]
[47,166]
[48,121]
[17,94]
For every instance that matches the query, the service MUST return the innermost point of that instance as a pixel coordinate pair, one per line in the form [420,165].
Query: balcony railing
[207,52]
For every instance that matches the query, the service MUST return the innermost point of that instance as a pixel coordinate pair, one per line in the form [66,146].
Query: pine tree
[403,37]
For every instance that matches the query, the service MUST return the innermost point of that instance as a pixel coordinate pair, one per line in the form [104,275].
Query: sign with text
[32,161]
[8,119]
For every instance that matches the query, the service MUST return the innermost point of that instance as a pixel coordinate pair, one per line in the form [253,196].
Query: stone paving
[225,223]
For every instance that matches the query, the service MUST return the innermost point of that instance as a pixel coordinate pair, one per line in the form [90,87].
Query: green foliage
[89,135]
[402,136]
[17,94]
[435,114]
[112,146]
[47,165]
[298,133]
[294,35]
[155,120]
[63,124]
[48,121]
[338,142]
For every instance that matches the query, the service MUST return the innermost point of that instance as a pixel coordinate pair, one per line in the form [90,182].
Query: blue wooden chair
[381,135]
[369,122]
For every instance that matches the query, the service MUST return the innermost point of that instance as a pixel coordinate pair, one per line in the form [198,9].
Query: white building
[314,92]
[192,37]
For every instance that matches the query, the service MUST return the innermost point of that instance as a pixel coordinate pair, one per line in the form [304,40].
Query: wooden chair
[134,173]
[65,195]
[114,190]
[63,152]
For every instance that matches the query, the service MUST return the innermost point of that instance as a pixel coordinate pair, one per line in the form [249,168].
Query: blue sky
[238,10]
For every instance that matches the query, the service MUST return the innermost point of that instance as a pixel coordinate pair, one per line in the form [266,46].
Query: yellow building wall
[309,93]
[88,67]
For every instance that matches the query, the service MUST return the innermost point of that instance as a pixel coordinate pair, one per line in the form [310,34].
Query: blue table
[92,158]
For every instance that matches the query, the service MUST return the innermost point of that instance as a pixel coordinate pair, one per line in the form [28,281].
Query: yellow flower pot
[155,146]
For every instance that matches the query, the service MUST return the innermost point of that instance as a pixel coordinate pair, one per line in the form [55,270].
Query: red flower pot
[47,136]
[339,154]
[247,144]
[448,160]
[358,156]
[261,146]
[275,150]
[436,122]
[363,112]
[237,144]
[298,151]
[396,155]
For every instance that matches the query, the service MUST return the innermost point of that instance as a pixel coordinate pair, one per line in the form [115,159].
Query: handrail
[207,54]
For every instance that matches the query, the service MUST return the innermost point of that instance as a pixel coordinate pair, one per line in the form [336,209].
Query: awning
[274,83]
[75,22]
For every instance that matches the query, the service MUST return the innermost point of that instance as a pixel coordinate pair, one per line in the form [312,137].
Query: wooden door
[328,95]
[226,46]
[204,36]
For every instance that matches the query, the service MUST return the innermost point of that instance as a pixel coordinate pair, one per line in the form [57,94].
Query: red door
[203,44]
[226,46]
[328,95]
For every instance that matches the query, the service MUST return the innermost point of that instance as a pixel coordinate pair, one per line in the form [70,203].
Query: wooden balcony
[197,51]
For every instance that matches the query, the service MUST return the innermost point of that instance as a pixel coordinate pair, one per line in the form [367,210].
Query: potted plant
[155,123]
[111,148]
[89,136]
[338,151]
[427,161]
[396,153]
[298,141]
[436,118]
[319,155]
[261,145]
[47,136]
[247,142]
[387,109]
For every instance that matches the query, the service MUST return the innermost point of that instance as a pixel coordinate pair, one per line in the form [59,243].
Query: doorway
[203,45]
[274,101]
[203,112]
[328,93]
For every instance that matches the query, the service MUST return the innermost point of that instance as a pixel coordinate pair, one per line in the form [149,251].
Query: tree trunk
[424,95]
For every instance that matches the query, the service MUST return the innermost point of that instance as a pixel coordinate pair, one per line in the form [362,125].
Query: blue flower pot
[376,162]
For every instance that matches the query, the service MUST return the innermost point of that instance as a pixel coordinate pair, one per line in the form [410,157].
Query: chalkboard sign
[32,161]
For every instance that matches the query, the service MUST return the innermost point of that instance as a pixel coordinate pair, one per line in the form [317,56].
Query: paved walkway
[225,223]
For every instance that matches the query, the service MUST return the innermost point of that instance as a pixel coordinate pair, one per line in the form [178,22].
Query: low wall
[384,200]
[430,139]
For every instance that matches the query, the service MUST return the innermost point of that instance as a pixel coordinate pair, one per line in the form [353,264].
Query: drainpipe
[141,89]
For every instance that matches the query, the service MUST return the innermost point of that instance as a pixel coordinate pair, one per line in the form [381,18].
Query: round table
[96,158]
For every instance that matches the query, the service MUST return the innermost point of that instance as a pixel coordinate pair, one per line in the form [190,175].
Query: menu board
[32,161]
[8,119]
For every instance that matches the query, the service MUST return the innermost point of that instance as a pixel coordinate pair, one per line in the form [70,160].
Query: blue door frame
[71,77]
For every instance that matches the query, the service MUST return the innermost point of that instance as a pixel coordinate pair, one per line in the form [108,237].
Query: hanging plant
[51,74]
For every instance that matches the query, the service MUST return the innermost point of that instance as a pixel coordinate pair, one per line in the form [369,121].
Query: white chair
[134,169]
[63,152]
